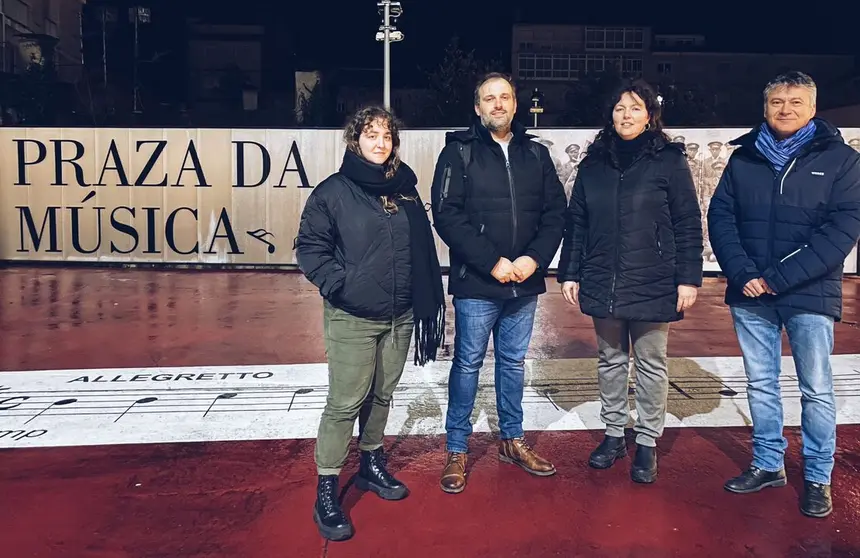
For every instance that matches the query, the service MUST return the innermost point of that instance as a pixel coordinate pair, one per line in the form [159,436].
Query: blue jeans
[759,331]
[510,322]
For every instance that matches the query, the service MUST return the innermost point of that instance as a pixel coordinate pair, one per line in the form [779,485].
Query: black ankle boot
[328,515]
[373,476]
[816,501]
[644,468]
[610,449]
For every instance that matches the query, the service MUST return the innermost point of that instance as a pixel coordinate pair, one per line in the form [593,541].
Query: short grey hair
[792,79]
[489,77]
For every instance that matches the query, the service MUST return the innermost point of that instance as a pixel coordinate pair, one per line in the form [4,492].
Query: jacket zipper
[788,170]
[657,236]
[393,281]
[773,204]
[513,212]
[615,242]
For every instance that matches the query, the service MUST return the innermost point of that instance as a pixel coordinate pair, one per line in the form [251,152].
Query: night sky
[304,34]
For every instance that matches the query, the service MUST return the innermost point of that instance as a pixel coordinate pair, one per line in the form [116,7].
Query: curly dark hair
[361,121]
[605,143]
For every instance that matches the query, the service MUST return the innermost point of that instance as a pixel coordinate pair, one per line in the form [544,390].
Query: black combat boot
[328,515]
[610,449]
[373,476]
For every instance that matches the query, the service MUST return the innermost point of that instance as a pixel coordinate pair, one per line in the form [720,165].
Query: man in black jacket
[499,206]
[784,217]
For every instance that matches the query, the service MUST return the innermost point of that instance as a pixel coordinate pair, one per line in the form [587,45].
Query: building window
[574,66]
[664,68]
[614,38]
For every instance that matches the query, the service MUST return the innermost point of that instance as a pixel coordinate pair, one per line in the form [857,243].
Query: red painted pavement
[253,499]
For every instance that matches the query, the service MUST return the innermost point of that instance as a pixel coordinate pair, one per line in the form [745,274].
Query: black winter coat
[632,237]
[794,228]
[496,209]
[355,252]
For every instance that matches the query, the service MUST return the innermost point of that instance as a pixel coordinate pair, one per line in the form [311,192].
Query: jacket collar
[478,132]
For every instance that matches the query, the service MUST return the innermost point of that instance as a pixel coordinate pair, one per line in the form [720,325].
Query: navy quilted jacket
[794,228]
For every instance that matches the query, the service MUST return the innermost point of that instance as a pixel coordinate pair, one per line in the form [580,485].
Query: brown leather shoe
[518,452]
[454,476]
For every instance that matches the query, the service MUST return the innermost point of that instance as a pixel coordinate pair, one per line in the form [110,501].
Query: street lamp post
[537,104]
[137,14]
[388,34]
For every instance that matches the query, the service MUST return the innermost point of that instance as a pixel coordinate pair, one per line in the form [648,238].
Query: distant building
[225,64]
[552,57]
[44,33]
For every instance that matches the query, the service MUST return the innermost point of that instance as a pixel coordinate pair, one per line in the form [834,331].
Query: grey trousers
[650,341]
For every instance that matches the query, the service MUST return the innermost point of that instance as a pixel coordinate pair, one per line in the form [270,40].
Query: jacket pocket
[446,183]
[793,253]
[657,238]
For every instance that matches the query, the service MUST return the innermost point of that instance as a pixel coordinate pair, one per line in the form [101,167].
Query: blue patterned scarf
[779,152]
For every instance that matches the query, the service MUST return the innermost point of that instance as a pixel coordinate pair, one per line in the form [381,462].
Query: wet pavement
[88,318]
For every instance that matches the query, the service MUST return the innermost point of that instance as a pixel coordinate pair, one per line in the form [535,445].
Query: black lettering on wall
[170,231]
[25,216]
[195,166]
[147,168]
[76,230]
[240,164]
[58,163]
[124,228]
[300,168]
[22,159]
[151,248]
[228,234]
[113,152]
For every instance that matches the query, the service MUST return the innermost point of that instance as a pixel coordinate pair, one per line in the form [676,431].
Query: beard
[496,124]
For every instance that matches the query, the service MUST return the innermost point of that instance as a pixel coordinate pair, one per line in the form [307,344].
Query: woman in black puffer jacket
[365,241]
[632,259]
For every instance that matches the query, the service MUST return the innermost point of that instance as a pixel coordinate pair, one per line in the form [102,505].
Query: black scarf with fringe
[428,295]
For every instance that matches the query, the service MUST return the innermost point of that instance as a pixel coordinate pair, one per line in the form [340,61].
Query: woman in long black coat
[632,260]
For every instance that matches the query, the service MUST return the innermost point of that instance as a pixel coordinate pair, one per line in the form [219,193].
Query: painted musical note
[728,392]
[61,403]
[547,392]
[222,396]
[302,391]
[261,234]
[677,388]
[143,401]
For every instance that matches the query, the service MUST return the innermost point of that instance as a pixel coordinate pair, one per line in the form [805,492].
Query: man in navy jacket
[782,221]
